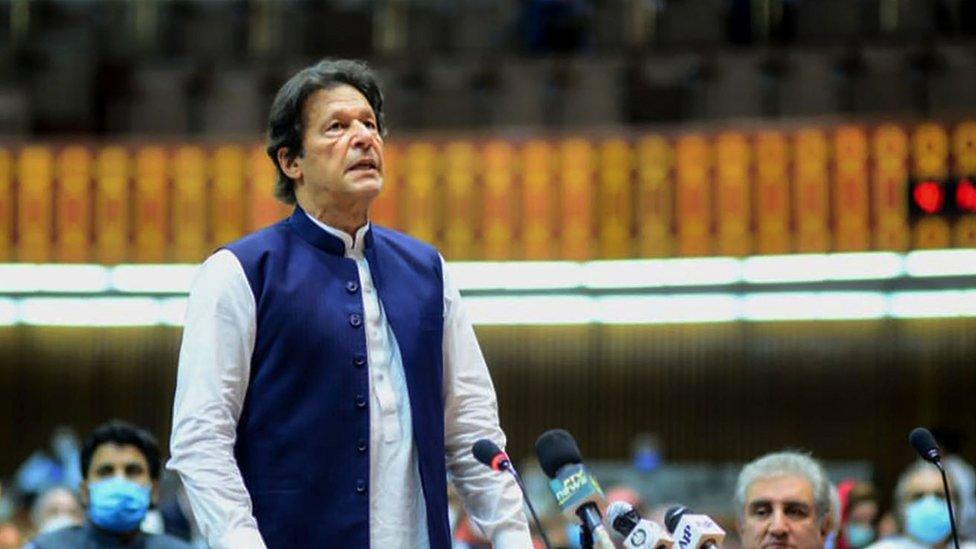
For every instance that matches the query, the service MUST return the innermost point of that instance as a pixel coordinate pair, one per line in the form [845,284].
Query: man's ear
[83,493]
[289,164]
[826,526]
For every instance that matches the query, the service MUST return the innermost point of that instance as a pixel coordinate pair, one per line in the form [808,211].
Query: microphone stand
[952,519]
[528,502]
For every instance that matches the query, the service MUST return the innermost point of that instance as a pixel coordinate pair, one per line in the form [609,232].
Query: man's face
[780,513]
[59,503]
[117,460]
[343,150]
[923,483]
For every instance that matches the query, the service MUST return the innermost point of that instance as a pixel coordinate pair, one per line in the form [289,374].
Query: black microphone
[577,493]
[693,531]
[490,454]
[924,443]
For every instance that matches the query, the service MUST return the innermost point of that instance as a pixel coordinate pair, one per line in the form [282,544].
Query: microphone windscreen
[924,443]
[673,517]
[555,449]
[485,451]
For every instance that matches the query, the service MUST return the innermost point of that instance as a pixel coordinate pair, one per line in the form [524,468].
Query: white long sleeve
[214,368]
[493,500]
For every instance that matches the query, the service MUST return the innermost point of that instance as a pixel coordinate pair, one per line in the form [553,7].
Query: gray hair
[901,488]
[786,463]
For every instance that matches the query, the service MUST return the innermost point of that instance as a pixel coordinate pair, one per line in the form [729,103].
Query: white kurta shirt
[214,370]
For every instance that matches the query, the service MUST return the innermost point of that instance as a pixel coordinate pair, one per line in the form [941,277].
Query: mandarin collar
[327,238]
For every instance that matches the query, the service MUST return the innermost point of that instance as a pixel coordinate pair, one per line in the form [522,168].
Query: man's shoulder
[72,536]
[402,240]
[165,541]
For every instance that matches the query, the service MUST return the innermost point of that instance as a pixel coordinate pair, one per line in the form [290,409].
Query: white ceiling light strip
[551,310]
[156,279]
[925,263]
[501,276]
[26,278]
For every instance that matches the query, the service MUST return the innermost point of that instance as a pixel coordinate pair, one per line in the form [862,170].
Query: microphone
[638,533]
[576,492]
[924,443]
[488,453]
[691,531]
[928,449]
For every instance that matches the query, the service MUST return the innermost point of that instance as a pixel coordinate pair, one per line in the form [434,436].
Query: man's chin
[365,183]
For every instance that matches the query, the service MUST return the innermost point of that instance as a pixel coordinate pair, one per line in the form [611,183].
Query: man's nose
[362,136]
[778,524]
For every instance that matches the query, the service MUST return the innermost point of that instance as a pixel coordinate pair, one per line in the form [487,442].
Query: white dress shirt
[214,368]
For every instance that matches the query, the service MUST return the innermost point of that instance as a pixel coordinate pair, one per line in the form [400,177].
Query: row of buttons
[356,320]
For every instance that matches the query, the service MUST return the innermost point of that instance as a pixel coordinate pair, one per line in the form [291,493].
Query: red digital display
[951,197]
[928,196]
[966,196]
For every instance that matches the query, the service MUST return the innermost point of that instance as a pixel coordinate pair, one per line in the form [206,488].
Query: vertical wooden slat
[733,171]
[850,204]
[73,205]
[616,199]
[693,204]
[890,181]
[151,206]
[419,191]
[655,198]
[810,197]
[930,161]
[964,156]
[6,206]
[35,174]
[576,176]
[227,196]
[499,218]
[460,173]
[190,211]
[772,196]
[112,203]
[538,206]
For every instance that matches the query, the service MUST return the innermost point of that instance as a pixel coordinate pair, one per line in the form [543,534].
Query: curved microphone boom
[928,449]
[488,453]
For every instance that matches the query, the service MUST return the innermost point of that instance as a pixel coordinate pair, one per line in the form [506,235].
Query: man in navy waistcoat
[329,377]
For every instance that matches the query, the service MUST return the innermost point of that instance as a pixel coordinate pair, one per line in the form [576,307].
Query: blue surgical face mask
[858,535]
[117,504]
[927,520]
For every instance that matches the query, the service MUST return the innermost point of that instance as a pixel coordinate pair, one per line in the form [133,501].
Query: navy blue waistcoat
[303,436]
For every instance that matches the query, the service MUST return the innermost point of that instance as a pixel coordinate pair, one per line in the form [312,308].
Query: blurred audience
[121,466]
[55,509]
[920,507]
[783,499]
[859,514]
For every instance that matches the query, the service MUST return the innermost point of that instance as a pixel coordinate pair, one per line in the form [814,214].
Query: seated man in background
[920,507]
[783,500]
[55,509]
[120,464]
